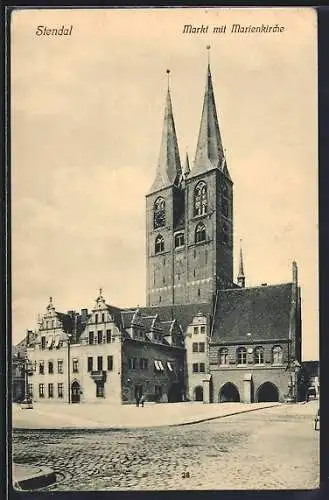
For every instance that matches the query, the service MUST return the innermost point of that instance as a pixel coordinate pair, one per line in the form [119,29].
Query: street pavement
[272,448]
[96,416]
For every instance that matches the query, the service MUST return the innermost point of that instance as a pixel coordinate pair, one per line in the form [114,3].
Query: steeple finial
[168,78]
[187,169]
[209,153]
[241,279]
[169,170]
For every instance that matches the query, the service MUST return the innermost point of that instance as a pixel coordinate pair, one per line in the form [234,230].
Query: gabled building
[202,335]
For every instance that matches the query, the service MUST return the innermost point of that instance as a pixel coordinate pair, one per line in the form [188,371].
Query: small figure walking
[142,399]
[137,400]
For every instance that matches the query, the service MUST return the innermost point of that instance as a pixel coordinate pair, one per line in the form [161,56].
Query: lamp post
[69,366]
[27,370]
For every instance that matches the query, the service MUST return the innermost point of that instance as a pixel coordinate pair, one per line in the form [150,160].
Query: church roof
[209,152]
[262,311]
[169,168]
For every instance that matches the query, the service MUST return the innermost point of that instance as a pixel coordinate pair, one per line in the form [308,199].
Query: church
[202,336]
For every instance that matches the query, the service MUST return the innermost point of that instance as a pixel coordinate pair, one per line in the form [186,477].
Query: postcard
[164,199]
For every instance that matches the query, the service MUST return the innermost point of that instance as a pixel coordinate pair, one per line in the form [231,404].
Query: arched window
[259,356]
[200,199]
[159,213]
[159,244]
[223,356]
[241,356]
[179,240]
[200,233]
[277,355]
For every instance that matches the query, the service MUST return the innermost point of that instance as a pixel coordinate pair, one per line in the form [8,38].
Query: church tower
[189,215]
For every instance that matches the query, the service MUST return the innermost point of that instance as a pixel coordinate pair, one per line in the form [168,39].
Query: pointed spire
[169,168]
[241,279]
[187,168]
[209,152]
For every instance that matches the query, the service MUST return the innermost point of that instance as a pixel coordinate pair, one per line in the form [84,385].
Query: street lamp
[69,366]
[27,370]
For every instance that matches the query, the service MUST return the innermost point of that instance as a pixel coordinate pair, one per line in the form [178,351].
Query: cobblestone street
[265,449]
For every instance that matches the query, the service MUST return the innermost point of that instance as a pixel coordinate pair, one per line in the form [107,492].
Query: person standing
[142,400]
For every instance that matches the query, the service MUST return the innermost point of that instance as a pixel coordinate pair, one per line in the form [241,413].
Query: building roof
[262,311]
[182,313]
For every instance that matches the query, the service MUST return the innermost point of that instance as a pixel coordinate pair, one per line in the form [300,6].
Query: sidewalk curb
[103,429]
[35,480]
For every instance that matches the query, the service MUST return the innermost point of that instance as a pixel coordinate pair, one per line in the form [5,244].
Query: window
[96,318]
[223,356]
[195,330]
[179,240]
[159,213]
[50,390]
[241,356]
[60,390]
[195,367]
[159,244]
[203,329]
[43,342]
[198,347]
[103,317]
[75,365]
[60,366]
[90,362]
[259,356]
[200,233]
[99,390]
[30,390]
[202,368]
[50,367]
[110,363]
[132,362]
[91,338]
[99,363]
[199,292]
[41,390]
[100,337]
[277,355]
[108,336]
[200,199]
[41,367]
[52,324]
[143,364]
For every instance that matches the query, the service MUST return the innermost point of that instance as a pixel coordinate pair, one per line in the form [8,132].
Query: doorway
[75,392]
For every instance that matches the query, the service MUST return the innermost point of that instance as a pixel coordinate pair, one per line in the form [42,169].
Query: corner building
[201,336]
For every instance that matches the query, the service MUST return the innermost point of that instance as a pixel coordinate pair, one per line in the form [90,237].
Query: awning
[161,366]
[57,340]
[169,366]
[50,340]
[156,364]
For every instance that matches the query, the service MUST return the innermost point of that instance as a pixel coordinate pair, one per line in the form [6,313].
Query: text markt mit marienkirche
[190,29]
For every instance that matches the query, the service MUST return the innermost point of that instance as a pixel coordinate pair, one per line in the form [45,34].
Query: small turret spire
[209,153]
[187,169]
[169,168]
[241,279]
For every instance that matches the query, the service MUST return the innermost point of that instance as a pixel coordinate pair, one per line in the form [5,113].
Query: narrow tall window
[223,356]
[159,244]
[108,336]
[159,213]
[75,365]
[100,337]
[179,240]
[100,363]
[60,366]
[277,355]
[50,367]
[41,367]
[103,317]
[200,199]
[91,338]
[41,390]
[109,363]
[99,390]
[200,233]
[241,355]
[60,390]
[50,390]
[259,355]
[43,342]
[90,364]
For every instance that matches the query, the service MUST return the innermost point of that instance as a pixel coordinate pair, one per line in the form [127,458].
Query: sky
[86,123]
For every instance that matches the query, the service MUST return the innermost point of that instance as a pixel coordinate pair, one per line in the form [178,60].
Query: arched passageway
[229,394]
[198,393]
[267,392]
